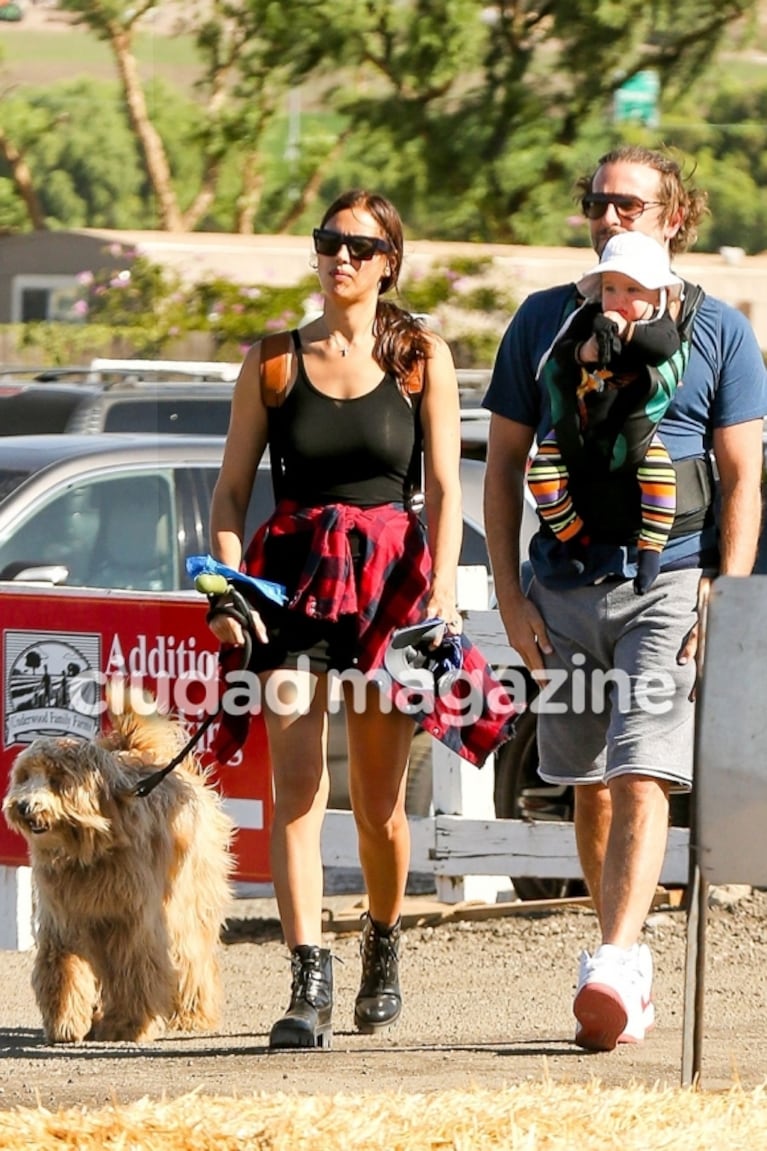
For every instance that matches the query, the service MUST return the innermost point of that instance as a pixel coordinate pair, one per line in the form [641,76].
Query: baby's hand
[588,351]
[607,334]
[621,323]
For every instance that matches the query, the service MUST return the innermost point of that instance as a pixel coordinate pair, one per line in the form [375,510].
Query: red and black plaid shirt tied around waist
[384,586]
[387,586]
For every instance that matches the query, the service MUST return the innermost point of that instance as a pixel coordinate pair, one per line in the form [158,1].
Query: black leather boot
[379,1000]
[307,1020]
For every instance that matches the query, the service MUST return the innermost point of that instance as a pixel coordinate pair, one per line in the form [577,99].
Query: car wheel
[520,793]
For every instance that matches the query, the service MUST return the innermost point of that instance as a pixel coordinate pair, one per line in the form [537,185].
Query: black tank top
[354,451]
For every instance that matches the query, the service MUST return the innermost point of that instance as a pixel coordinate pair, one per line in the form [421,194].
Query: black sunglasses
[595,204]
[329,243]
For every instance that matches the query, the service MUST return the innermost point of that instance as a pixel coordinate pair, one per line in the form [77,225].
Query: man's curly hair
[676,189]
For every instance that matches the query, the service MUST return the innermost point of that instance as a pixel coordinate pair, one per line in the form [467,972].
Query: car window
[115,532]
[192,416]
[10,479]
[195,493]
[194,487]
[134,546]
[37,411]
[261,502]
[60,532]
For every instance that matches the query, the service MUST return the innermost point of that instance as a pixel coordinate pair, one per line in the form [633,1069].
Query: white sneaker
[639,1024]
[612,1001]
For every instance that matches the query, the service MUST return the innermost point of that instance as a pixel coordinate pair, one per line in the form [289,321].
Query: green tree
[17,192]
[725,128]
[241,80]
[481,110]
[87,166]
[475,118]
[18,189]
[115,23]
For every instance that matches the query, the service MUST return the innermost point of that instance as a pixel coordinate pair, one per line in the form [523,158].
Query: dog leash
[224,599]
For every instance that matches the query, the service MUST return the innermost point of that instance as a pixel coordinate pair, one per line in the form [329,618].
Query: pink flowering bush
[134,307]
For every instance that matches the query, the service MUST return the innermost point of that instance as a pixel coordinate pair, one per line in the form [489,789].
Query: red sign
[61,646]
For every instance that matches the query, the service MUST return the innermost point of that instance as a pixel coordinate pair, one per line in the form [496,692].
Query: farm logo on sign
[51,685]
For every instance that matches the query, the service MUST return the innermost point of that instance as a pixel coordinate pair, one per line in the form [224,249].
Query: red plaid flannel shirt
[387,588]
[393,577]
[477,731]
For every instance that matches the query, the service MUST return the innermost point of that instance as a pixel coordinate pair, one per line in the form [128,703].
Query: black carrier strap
[693,298]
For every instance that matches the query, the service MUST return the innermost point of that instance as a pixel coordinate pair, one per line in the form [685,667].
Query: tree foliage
[89,161]
[475,118]
[504,112]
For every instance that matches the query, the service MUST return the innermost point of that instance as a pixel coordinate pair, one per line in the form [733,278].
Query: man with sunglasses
[624,751]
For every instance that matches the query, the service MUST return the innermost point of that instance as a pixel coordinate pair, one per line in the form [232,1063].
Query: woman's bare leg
[297,746]
[379,747]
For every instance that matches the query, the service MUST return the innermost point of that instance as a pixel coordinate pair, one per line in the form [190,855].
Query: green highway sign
[637,99]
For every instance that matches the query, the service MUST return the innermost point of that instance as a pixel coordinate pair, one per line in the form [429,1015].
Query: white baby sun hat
[635,255]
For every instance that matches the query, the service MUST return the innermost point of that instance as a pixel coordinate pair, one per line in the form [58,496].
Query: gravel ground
[487,1004]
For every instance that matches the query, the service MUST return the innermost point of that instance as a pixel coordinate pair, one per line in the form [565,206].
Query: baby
[616,364]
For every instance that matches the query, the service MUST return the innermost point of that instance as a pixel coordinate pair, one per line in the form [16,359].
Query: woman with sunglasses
[367,385]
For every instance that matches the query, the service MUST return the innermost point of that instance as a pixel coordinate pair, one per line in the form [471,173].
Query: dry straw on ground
[528,1117]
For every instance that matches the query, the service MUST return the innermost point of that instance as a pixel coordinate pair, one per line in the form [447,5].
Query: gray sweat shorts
[618,701]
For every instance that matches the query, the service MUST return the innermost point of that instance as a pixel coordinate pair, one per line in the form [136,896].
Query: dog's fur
[131,892]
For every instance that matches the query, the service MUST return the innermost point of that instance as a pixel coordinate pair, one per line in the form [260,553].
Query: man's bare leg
[633,862]
[621,832]
[592,817]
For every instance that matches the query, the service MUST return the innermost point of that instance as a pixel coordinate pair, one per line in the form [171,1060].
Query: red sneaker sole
[602,1017]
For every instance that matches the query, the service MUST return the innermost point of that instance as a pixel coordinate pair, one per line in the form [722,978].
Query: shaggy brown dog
[131,892]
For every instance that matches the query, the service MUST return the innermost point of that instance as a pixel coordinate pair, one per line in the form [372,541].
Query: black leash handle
[224,599]
[145,786]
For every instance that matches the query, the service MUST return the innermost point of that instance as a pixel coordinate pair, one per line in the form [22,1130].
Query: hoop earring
[314,263]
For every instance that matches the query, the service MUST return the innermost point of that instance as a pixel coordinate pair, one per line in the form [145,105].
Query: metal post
[697,899]
[694,975]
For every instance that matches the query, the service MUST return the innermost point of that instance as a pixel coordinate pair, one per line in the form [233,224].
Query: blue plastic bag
[206,565]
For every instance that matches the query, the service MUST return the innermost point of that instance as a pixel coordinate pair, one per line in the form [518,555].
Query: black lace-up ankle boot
[379,1000]
[307,1020]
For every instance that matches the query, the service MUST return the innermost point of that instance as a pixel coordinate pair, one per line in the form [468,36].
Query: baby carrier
[602,450]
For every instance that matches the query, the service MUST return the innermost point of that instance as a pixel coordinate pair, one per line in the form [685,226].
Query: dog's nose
[23,807]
